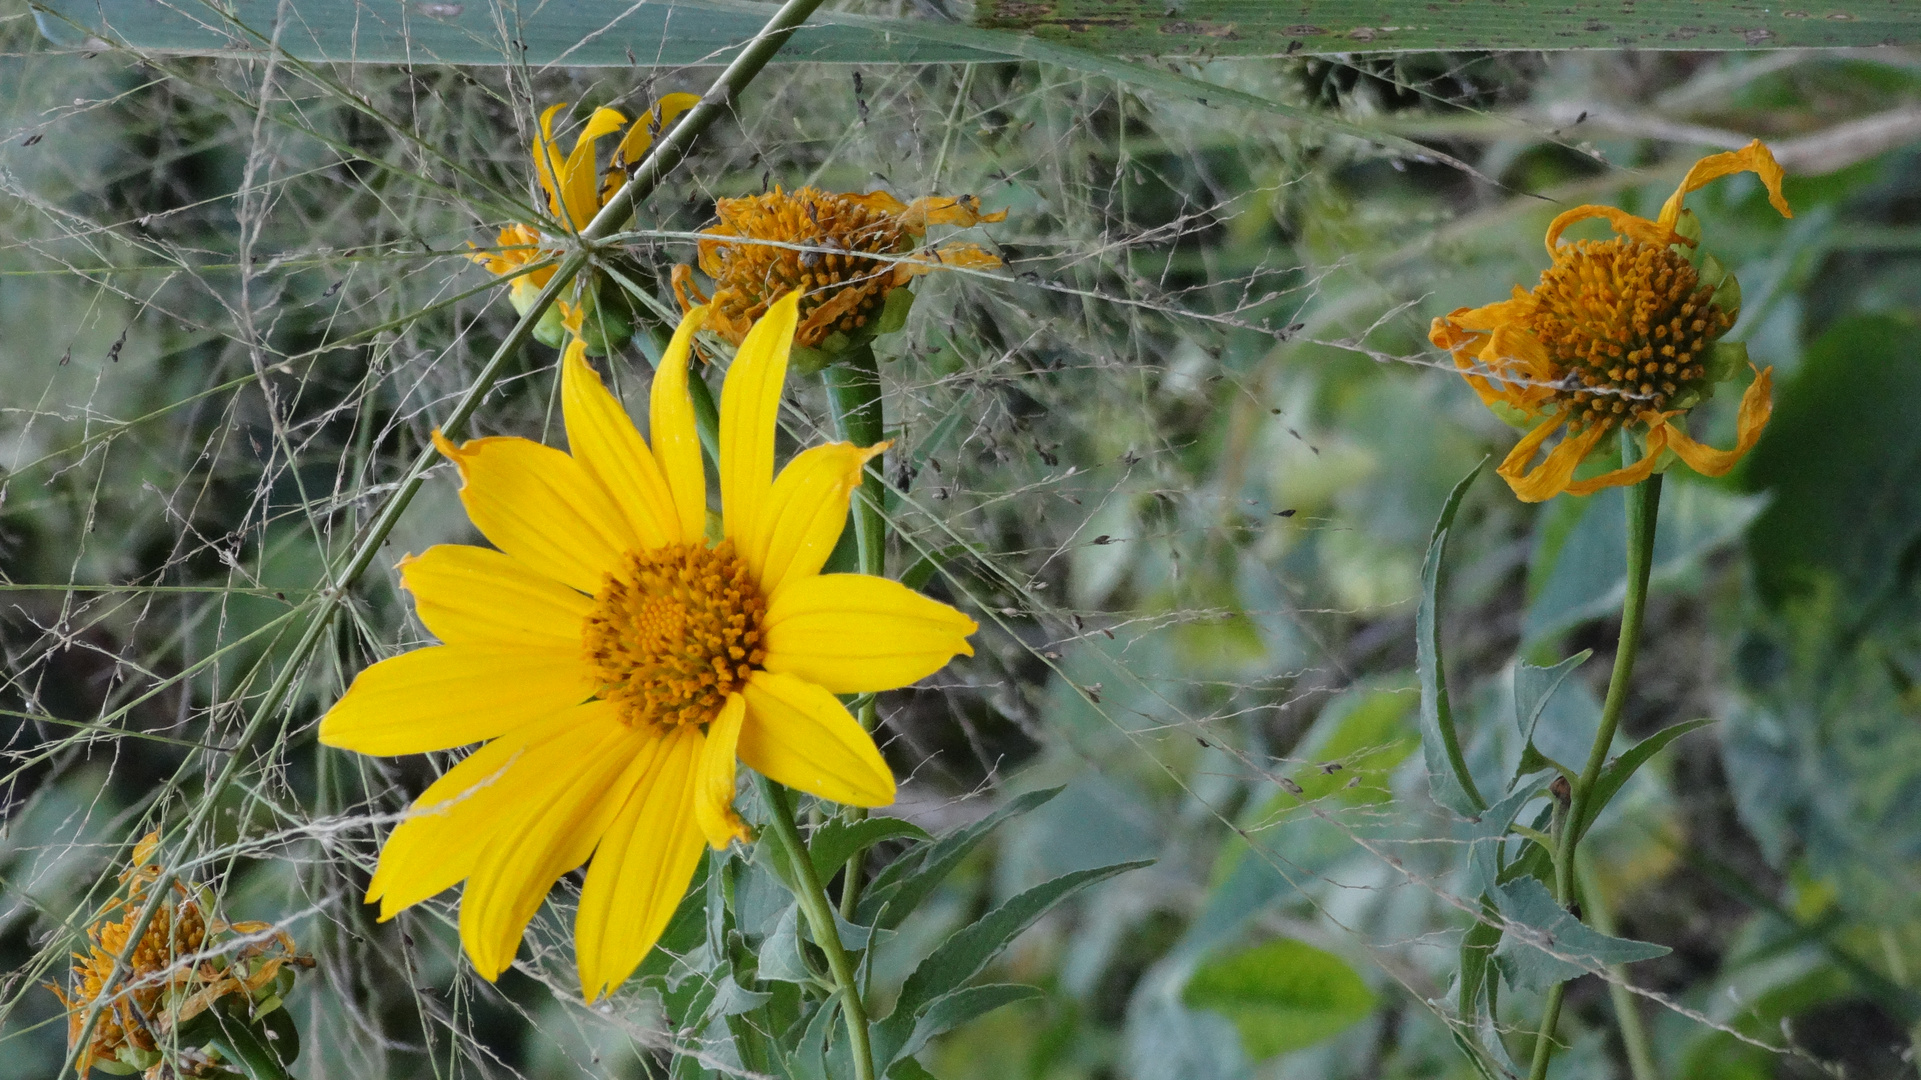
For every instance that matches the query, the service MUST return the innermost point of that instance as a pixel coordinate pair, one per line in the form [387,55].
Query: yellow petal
[548,164]
[579,179]
[714,789]
[1551,476]
[556,830]
[1629,474]
[1754,158]
[642,867]
[1757,404]
[452,695]
[538,505]
[749,408]
[800,735]
[478,596]
[449,827]
[1658,233]
[676,442]
[640,137]
[606,444]
[854,633]
[805,513]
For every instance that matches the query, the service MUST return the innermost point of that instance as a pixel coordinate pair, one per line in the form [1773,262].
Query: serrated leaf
[1533,686]
[1281,995]
[968,950]
[950,1011]
[1545,944]
[1483,835]
[779,958]
[902,884]
[836,841]
[1447,776]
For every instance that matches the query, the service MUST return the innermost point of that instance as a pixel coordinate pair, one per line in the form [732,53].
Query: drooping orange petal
[540,506]
[676,440]
[642,867]
[1658,233]
[1754,158]
[1757,404]
[800,735]
[1657,441]
[478,596]
[606,444]
[552,832]
[714,789]
[549,166]
[579,180]
[640,136]
[1551,476]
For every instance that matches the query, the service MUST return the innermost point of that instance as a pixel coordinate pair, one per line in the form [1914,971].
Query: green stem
[665,155]
[1644,504]
[854,391]
[1627,1014]
[820,919]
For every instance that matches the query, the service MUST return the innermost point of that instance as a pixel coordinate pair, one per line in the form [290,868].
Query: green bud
[1725,361]
[549,331]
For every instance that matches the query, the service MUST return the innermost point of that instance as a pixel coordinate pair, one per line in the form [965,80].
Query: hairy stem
[812,896]
[1644,504]
[664,156]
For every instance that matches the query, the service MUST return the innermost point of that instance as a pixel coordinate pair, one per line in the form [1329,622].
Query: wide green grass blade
[597,33]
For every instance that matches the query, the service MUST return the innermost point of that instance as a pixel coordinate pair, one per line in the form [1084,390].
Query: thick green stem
[853,388]
[1644,504]
[665,155]
[812,896]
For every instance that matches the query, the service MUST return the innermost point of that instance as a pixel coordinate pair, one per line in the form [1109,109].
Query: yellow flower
[1618,333]
[616,662]
[827,236]
[576,189]
[173,974]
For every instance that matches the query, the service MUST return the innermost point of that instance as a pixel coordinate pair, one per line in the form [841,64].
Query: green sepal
[1725,361]
[549,331]
[1727,294]
[1513,417]
[806,359]
[893,315]
[128,1062]
[1688,227]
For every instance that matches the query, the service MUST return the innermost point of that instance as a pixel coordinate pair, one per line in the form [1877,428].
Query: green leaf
[1623,768]
[1447,776]
[902,884]
[1545,944]
[1533,686]
[908,1069]
[950,1011]
[780,957]
[835,842]
[1281,995]
[969,949]
[1840,456]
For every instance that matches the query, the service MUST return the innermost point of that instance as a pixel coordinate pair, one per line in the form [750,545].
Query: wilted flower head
[1620,333]
[845,254]
[176,971]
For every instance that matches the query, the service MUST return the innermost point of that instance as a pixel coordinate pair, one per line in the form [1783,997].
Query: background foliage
[1182,458]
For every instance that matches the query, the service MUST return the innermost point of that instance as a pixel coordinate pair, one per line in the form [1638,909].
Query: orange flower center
[838,231]
[174,933]
[674,631]
[1627,323]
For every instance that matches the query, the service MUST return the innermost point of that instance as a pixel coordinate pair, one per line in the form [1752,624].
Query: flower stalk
[812,896]
[1643,507]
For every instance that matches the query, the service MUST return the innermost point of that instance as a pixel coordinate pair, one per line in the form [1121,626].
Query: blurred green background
[1193,438]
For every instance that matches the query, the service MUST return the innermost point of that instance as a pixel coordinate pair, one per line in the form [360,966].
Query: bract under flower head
[618,664]
[1618,334]
[845,253]
[178,970]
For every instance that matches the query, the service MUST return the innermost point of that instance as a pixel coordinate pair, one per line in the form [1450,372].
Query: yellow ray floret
[1619,334]
[617,666]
